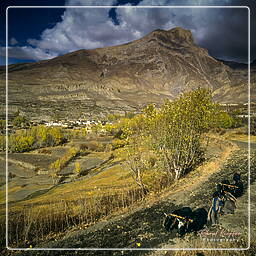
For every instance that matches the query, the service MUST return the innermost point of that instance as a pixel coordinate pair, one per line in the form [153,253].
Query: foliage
[229,119]
[97,128]
[225,120]
[35,137]
[117,143]
[172,132]
[77,133]
[20,121]
[77,168]
[56,166]
[20,143]
[129,114]
[237,120]
[113,117]
[116,128]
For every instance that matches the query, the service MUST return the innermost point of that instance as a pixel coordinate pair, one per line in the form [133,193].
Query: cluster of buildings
[74,124]
[88,124]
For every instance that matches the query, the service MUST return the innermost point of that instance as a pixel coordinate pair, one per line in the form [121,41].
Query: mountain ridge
[158,66]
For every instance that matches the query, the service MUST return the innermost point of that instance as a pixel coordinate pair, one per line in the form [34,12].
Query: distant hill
[237,65]
[121,78]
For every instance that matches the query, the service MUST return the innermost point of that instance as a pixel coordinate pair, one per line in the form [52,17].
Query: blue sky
[44,33]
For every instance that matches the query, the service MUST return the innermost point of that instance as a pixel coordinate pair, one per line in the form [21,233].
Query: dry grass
[88,200]
[35,222]
[236,134]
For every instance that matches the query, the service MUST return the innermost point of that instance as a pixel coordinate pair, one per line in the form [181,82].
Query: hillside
[121,78]
[142,224]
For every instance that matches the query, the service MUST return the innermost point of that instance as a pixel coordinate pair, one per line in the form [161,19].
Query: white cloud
[88,28]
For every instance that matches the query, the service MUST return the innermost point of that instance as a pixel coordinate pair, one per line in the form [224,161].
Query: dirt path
[142,227]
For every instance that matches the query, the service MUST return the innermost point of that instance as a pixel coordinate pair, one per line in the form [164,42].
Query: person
[227,202]
[221,195]
[213,215]
[239,187]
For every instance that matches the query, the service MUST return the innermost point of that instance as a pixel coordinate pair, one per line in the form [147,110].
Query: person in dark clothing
[239,187]
[221,195]
[227,202]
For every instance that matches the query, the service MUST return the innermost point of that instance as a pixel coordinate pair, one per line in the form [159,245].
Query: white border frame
[134,249]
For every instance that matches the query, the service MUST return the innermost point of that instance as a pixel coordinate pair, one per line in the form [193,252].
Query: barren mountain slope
[121,78]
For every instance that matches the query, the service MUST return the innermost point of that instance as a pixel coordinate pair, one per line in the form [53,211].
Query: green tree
[174,131]
[237,120]
[225,120]
[20,143]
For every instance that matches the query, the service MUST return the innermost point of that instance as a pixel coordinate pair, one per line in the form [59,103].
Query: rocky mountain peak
[175,35]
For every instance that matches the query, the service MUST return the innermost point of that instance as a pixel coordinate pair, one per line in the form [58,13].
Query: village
[19,121]
[65,124]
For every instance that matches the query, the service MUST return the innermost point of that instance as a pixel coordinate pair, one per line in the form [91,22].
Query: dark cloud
[222,31]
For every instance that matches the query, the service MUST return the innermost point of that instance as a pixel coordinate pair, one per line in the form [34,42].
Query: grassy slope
[126,229]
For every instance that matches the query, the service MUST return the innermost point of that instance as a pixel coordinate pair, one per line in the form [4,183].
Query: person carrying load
[238,188]
[213,214]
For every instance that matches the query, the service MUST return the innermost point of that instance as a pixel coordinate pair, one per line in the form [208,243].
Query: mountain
[121,78]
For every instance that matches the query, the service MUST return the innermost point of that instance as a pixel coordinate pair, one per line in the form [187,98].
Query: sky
[36,34]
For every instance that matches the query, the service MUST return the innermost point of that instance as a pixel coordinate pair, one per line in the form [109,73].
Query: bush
[64,160]
[20,121]
[117,143]
[225,120]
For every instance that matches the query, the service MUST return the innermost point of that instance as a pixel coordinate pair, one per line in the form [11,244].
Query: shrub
[225,120]
[20,121]
[64,160]
[117,143]
[77,168]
